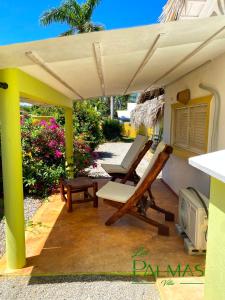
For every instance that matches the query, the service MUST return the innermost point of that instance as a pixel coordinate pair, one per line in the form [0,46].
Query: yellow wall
[215,259]
[39,92]
[131,132]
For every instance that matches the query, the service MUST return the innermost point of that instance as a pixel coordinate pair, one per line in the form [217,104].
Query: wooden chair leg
[150,194]
[162,229]
[95,189]
[168,215]
[86,195]
[62,191]
[115,217]
[69,199]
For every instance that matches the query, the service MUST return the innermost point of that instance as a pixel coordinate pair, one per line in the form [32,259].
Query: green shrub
[86,121]
[43,146]
[112,129]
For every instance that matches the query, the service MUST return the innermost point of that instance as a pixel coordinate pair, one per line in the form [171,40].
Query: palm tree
[76,16]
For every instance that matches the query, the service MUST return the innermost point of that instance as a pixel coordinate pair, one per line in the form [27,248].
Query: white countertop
[212,164]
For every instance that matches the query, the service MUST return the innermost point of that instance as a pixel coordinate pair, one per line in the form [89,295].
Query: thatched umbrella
[147,113]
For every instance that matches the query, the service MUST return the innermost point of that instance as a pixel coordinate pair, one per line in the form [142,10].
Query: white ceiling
[180,48]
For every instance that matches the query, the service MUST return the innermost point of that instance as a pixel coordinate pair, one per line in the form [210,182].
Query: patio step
[184,288]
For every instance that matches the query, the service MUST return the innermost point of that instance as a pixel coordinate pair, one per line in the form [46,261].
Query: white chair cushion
[134,151]
[116,192]
[110,168]
[159,149]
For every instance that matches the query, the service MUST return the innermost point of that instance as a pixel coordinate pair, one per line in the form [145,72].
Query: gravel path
[30,207]
[71,287]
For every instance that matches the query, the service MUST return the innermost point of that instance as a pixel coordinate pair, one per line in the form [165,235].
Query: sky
[19,20]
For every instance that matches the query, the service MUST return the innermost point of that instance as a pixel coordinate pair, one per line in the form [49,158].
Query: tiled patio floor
[68,243]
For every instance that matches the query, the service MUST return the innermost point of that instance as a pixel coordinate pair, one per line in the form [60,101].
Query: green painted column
[215,258]
[69,140]
[12,169]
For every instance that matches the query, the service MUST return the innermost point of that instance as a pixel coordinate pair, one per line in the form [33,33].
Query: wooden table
[78,185]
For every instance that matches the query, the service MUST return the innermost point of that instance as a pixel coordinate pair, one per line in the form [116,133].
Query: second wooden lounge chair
[132,200]
[127,169]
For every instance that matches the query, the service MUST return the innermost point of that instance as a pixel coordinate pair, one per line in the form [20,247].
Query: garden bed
[30,207]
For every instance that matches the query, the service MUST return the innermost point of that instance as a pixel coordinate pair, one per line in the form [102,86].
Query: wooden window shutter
[181,127]
[190,127]
[198,128]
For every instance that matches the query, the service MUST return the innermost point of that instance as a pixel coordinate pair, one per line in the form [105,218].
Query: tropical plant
[50,111]
[112,129]
[43,145]
[76,16]
[86,120]
[86,123]
[101,105]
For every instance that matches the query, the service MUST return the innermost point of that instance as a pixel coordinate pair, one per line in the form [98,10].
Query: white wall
[177,173]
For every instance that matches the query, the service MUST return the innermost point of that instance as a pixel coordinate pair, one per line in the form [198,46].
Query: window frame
[182,151]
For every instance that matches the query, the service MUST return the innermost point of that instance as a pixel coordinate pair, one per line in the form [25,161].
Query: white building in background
[124,115]
[189,9]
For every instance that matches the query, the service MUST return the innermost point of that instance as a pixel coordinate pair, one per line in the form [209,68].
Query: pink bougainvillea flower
[52,144]
[52,120]
[58,154]
[43,123]
[87,148]
[22,120]
[53,126]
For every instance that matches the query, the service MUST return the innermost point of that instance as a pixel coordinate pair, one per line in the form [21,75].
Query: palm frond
[68,12]
[74,7]
[90,27]
[88,8]
[54,15]
[70,31]
[77,16]
[97,27]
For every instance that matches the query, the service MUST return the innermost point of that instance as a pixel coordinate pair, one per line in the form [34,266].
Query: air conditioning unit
[193,218]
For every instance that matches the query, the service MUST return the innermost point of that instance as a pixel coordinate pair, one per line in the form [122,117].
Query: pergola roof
[118,62]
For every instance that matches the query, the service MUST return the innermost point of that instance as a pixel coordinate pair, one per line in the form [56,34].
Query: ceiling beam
[187,57]
[99,65]
[146,59]
[34,57]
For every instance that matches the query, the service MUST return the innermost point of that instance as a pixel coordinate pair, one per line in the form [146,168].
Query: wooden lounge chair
[132,200]
[126,170]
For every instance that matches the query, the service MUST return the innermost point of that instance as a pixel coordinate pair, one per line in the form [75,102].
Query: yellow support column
[12,169]
[69,139]
[215,257]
